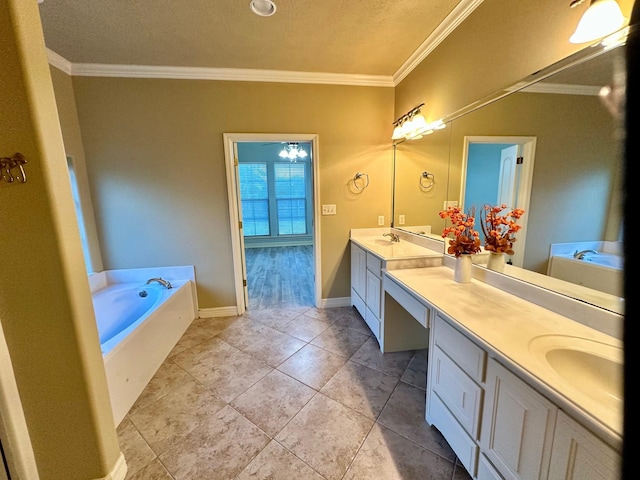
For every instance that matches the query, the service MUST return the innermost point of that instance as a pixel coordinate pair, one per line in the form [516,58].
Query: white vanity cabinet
[366,286]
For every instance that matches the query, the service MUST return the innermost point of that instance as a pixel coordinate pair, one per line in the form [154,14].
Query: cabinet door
[358,270]
[373,293]
[517,426]
[580,455]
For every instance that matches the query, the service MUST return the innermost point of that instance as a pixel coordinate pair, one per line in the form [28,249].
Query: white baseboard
[335,302]
[217,312]
[119,471]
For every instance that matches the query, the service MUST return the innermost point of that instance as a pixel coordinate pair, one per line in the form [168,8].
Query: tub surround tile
[168,377]
[154,471]
[172,417]
[135,449]
[222,368]
[218,449]
[306,327]
[274,347]
[312,365]
[404,414]
[326,435]
[361,388]
[394,363]
[340,340]
[416,372]
[275,462]
[385,454]
[273,401]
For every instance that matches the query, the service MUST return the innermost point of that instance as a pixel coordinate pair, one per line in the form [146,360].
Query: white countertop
[388,250]
[506,325]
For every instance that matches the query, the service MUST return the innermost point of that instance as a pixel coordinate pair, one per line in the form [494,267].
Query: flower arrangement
[500,228]
[465,237]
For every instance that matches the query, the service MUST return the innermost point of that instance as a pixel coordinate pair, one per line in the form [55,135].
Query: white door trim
[528,146]
[229,140]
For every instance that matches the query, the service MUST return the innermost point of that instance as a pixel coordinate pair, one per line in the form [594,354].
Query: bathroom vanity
[519,391]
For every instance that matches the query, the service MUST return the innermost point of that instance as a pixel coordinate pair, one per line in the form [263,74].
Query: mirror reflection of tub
[597,265]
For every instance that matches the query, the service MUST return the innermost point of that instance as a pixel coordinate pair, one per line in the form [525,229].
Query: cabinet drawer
[374,264]
[416,309]
[463,351]
[460,394]
[461,443]
[373,322]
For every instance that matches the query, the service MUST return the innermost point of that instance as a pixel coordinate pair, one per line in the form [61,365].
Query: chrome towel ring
[363,183]
[427,179]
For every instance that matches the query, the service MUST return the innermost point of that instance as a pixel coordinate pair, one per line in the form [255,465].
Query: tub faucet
[161,281]
[580,255]
[394,236]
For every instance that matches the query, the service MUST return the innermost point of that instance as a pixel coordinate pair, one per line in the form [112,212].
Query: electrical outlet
[328,209]
[401,219]
[381,220]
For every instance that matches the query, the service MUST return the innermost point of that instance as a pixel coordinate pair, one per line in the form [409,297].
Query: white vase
[462,270]
[496,262]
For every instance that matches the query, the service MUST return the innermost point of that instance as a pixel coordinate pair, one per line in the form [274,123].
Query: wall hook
[427,179]
[358,176]
[8,164]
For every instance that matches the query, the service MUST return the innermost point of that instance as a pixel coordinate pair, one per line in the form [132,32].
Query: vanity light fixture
[263,8]
[292,152]
[602,18]
[412,125]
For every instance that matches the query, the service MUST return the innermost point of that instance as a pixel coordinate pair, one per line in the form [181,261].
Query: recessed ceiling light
[264,8]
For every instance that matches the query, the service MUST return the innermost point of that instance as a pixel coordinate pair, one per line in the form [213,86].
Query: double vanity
[518,382]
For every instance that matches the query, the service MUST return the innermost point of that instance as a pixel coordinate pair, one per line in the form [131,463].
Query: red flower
[465,238]
[499,229]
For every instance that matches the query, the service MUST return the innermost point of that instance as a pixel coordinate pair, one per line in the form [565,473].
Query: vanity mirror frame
[609,302]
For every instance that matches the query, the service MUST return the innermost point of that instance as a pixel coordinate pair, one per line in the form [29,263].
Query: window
[254,194]
[291,198]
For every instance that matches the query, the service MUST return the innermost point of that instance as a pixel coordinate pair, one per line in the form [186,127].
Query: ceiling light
[292,151]
[599,20]
[263,8]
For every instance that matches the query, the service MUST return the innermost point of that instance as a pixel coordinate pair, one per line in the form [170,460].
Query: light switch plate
[401,219]
[450,203]
[328,209]
[381,220]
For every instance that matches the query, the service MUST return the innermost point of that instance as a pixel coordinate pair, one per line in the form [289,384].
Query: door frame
[230,141]
[528,148]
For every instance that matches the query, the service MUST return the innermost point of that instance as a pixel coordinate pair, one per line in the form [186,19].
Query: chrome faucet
[394,236]
[580,255]
[161,281]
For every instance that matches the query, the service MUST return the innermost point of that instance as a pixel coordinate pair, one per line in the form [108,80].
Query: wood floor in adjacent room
[280,276]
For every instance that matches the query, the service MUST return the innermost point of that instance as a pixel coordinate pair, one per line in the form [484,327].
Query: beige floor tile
[242,333]
[168,377]
[312,365]
[217,450]
[394,363]
[416,372]
[277,463]
[340,340]
[350,318]
[200,330]
[389,456]
[306,327]
[361,388]
[135,449]
[404,414]
[154,471]
[274,347]
[222,368]
[170,418]
[273,401]
[275,317]
[460,473]
[326,435]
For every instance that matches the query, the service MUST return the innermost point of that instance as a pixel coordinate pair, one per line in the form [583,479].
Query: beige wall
[45,303]
[156,167]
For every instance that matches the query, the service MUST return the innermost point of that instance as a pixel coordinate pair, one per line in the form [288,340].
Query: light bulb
[601,18]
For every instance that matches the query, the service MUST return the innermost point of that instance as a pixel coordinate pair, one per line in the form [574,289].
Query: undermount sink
[592,368]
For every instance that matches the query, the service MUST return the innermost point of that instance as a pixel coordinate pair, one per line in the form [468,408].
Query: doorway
[499,170]
[273,205]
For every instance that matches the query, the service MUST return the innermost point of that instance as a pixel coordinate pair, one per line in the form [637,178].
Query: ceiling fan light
[601,18]
[263,8]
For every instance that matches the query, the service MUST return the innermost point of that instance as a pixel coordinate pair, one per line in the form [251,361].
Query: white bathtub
[603,272]
[137,333]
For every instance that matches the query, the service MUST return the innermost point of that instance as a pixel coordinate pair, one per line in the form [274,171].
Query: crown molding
[565,89]
[59,62]
[448,25]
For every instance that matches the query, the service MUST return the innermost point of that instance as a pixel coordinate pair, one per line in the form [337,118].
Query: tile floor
[285,393]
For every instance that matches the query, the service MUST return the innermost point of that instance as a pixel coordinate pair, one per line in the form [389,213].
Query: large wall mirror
[566,141]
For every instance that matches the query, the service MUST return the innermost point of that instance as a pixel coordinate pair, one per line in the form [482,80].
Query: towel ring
[356,177]
[426,176]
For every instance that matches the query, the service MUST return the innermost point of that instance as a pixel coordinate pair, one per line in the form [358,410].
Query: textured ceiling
[365,37]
